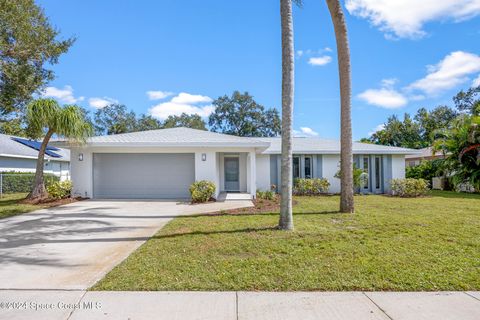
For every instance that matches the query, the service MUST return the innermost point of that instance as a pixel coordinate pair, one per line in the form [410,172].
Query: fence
[21,182]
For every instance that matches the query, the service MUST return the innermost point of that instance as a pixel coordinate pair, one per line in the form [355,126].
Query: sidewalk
[238,305]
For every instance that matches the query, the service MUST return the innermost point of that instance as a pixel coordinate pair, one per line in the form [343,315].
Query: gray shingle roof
[176,137]
[14,149]
[325,146]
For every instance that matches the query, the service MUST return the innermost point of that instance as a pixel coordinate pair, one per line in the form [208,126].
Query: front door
[232,182]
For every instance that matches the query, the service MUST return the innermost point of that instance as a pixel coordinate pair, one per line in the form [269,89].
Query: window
[296,167]
[377,172]
[308,167]
[366,169]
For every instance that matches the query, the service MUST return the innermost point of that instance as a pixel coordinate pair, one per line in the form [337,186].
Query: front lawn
[430,243]
[10,206]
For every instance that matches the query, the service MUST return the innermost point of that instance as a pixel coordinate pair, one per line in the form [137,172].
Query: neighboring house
[20,155]
[163,163]
[413,160]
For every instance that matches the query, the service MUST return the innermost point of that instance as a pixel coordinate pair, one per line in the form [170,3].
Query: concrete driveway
[75,245]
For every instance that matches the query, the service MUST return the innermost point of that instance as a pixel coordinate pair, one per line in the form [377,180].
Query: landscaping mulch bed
[48,203]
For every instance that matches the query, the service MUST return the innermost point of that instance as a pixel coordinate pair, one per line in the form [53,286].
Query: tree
[398,133]
[193,121]
[346,155]
[240,115]
[288,83]
[468,101]
[46,118]
[461,145]
[28,43]
[431,121]
[145,123]
[114,119]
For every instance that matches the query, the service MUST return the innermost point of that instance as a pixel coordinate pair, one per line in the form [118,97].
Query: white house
[20,155]
[163,163]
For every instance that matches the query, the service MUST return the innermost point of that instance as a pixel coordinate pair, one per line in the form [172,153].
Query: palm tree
[346,158]
[286,214]
[46,118]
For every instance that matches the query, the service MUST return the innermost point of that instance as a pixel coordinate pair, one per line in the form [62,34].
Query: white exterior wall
[211,169]
[398,166]
[330,166]
[263,172]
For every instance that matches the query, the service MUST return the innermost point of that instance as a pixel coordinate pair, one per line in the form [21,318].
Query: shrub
[267,194]
[409,187]
[60,189]
[310,187]
[360,177]
[22,181]
[427,169]
[202,190]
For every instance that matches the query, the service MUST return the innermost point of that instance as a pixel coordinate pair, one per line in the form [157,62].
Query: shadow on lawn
[240,214]
[206,233]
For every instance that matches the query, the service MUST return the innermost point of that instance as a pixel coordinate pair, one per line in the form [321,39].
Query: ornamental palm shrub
[461,145]
[202,191]
[310,187]
[409,187]
[266,194]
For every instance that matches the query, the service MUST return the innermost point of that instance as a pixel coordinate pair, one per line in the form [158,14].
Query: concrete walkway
[80,305]
[75,245]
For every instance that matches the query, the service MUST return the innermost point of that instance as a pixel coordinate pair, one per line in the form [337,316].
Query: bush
[23,181]
[310,187]
[427,169]
[60,190]
[409,187]
[360,177]
[202,190]
[266,195]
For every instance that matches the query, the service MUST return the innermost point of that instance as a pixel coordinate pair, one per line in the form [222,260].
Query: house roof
[186,137]
[424,153]
[176,137]
[326,146]
[14,149]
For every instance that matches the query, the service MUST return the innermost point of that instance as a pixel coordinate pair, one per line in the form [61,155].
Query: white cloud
[405,18]
[320,61]
[327,49]
[305,132]
[188,98]
[158,95]
[453,70]
[64,95]
[300,53]
[100,103]
[183,103]
[476,82]
[385,97]
[377,128]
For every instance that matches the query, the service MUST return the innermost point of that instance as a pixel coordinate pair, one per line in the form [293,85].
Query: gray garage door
[142,175]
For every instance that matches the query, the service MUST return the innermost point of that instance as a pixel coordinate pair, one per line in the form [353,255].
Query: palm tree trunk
[346,158]
[39,191]
[286,216]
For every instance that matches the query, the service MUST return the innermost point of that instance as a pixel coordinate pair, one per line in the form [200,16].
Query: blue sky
[164,57]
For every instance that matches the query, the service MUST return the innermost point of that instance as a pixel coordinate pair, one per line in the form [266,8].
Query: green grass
[9,205]
[430,243]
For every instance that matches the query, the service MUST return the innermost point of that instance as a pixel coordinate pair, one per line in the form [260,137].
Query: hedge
[23,181]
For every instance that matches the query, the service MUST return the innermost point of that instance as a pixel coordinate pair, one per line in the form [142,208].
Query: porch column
[252,173]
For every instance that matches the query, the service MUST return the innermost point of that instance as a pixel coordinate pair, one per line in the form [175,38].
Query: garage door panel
[142,175]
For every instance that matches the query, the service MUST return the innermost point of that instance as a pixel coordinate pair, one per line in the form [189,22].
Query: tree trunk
[346,158]
[39,191]
[286,216]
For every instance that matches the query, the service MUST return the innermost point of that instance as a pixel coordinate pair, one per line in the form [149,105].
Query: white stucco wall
[330,166]
[210,169]
[58,168]
[263,172]
[398,166]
